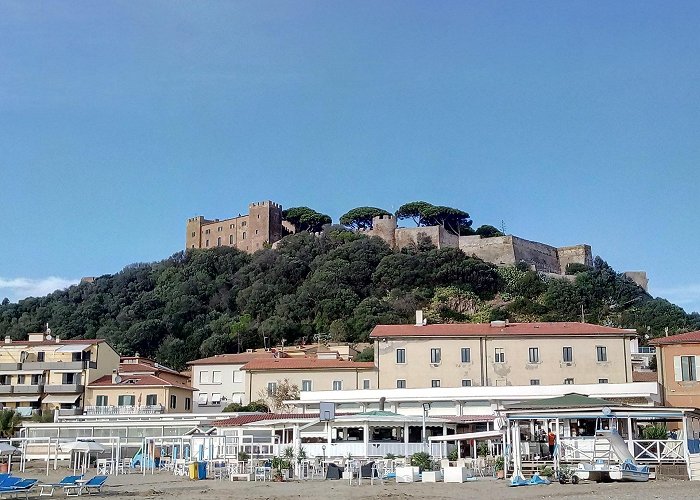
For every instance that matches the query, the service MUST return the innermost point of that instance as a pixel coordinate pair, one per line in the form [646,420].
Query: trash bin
[194,470]
[202,470]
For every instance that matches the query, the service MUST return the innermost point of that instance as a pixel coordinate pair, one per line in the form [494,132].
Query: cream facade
[48,374]
[678,369]
[430,356]
[156,398]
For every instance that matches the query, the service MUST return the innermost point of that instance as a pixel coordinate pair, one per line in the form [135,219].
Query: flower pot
[500,474]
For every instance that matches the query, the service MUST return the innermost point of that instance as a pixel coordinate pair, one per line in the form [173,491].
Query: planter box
[407,474]
[431,476]
[455,474]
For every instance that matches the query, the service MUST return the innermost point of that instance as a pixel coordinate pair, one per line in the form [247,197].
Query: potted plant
[280,468]
[499,466]
[453,455]
[422,461]
[243,456]
[546,471]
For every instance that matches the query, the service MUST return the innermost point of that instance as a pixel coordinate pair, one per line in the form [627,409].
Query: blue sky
[573,122]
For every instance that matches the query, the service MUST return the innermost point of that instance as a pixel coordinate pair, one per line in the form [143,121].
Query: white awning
[43,348]
[61,398]
[202,399]
[467,436]
[66,371]
[73,348]
[18,399]
[216,398]
[22,372]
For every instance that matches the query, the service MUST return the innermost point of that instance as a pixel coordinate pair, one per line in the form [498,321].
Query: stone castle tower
[262,225]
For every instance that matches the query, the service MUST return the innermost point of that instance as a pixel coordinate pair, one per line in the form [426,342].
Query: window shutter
[697,365]
[677,370]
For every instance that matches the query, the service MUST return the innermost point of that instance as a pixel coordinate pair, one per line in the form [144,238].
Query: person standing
[551,440]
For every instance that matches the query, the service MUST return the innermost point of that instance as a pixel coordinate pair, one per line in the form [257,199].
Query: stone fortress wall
[264,225]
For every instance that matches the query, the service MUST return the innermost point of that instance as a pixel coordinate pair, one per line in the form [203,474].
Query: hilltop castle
[264,225]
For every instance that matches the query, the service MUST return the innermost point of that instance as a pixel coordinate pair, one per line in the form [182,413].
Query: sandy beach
[162,485]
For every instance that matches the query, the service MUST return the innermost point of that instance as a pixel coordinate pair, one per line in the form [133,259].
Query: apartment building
[500,354]
[46,373]
[263,375]
[139,386]
[678,362]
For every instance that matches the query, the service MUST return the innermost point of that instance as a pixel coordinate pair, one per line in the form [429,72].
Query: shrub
[656,431]
[499,462]
[546,471]
[243,456]
[453,455]
[390,456]
[482,449]
[421,460]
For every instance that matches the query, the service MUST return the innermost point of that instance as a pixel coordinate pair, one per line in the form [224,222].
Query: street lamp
[426,409]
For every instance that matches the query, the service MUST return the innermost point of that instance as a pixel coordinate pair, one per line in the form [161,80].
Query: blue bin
[202,470]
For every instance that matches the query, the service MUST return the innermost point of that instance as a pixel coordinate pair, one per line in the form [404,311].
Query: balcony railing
[6,389]
[64,388]
[9,366]
[28,389]
[645,350]
[124,410]
[58,365]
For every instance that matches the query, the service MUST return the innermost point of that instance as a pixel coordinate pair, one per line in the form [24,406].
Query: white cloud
[20,288]
[686,296]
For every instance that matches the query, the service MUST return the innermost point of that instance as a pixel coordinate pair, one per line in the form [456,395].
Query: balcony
[54,365]
[28,389]
[125,410]
[70,412]
[64,388]
[9,366]
[6,389]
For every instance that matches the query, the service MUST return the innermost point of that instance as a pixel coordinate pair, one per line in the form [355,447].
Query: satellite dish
[48,336]
[117,379]
[607,411]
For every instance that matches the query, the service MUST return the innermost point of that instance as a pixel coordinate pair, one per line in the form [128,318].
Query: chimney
[382,400]
[8,339]
[114,376]
[419,318]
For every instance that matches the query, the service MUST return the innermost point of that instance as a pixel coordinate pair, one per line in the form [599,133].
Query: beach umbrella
[8,449]
[86,448]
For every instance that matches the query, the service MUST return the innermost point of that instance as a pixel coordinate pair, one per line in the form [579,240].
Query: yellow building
[139,386]
[501,354]
[47,373]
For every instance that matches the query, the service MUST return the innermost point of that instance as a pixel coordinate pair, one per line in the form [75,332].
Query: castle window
[218,241]
[244,223]
[230,240]
[256,231]
[258,216]
[243,234]
[207,243]
[193,234]
[207,231]
[219,229]
[231,226]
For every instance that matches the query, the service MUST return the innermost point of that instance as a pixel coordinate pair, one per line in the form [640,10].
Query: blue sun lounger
[93,485]
[22,486]
[47,489]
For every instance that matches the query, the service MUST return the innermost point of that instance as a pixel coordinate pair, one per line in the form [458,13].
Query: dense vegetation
[337,286]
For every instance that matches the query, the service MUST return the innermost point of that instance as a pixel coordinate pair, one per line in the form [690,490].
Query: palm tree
[9,420]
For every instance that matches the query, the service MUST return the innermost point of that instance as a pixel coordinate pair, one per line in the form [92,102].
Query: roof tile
[681,338]
[487,330]
[305,364]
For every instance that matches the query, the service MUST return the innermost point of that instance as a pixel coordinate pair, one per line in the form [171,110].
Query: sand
[163,485]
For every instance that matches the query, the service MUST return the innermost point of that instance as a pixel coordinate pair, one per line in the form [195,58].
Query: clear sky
[573,122]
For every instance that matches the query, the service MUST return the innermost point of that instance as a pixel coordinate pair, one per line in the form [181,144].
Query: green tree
[306,219]
[9,421]
[367,354]
[361,217]
[454,220]
[415,210]
[486,231]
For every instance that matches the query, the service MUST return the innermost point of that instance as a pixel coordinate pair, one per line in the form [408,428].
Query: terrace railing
[124,410]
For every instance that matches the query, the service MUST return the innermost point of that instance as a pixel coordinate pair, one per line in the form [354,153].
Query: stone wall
[543,257]
[498,250]
[577,254]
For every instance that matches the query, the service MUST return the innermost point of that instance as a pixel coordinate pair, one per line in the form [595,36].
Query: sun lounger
[94,485]
[47,489]
[22,486]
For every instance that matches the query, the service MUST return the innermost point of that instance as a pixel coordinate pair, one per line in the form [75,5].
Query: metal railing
[124,410]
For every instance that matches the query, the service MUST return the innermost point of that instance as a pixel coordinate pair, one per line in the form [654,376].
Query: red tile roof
[145,368]
[233,359]
[256,417]
[139,380]
[645,376]
[55,342]
[305,364]
[487,330]
[681,338]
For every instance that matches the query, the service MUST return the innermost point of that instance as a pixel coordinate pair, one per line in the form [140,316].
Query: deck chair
[47,489]
[10,481]
[22,486]
[94,485]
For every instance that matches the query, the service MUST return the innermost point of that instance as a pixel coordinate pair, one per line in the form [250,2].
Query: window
[256,231]
[202,399]
[76,356]
[204,378]
[173,401]
[688,372]
[70,378]
[271,388]
[5,380]
[568,381]
[151,399]
[219,229]
[534,381]
[401,356]
[244,223]
[101,401]
[188,404]
[466,355]
[602,381]
[238,377]
[216,377]
[218,241]
[40,356]
[567,354]
[435,383]
[230,240]
[231,226]
[37,379]
[499,355]
[216,398]
[400,384]
[601,353]
[207,231]
[206,243]
[366,384]
[20,379]
[435,355]
[337,385]
[306,385]
[193,234]
[243,235]
[466,382]
[126,400]
[533,355]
